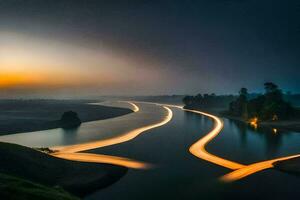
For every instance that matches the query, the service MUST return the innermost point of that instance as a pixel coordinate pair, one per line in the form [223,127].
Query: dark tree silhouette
[207,101]
[239,106]
[270,87]
[70,119]
[270,106]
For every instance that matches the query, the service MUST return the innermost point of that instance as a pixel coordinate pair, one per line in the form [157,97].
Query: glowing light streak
[253,168]
[240,170]
[97,158]
[198,148]
[70,152]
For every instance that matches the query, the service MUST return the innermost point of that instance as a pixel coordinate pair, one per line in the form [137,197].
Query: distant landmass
[19,116]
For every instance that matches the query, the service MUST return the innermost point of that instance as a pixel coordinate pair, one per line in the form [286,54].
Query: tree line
[271,105]
[207,101]
[268,106]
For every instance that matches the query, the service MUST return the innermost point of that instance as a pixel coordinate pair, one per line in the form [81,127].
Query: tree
[239,106]
[274,105]
[270,106]
[70,119]
[243,92]
[243,101]
[188,100]
[270,87]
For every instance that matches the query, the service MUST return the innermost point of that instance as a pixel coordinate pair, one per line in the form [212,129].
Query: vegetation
[270,109]
[77,178]
[18,189]
[270,106]
[207,101]
[70,119]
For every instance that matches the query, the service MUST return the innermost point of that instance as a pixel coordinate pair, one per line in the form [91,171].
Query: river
[177,174]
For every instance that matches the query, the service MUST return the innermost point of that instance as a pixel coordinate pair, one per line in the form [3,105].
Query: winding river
[183,167]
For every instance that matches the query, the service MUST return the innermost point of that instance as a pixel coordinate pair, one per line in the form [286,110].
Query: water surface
[91,131]
[180,175]
[177,173]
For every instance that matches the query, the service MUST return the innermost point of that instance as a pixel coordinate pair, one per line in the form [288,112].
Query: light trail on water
[240,170]
[71,152]
[197,149]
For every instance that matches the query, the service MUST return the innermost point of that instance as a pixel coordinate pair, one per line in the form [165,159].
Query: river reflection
[90,131]
[199,120]
[245,144]
[273,141]
[181,175]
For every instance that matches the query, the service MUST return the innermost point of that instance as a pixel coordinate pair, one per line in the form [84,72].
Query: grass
[17,188]
[75,177]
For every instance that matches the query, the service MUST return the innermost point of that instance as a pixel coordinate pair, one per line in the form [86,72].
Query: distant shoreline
[286,125]
[19,116]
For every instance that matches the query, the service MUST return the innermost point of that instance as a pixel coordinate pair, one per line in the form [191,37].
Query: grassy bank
[77,178]
[19,189]
[33,115]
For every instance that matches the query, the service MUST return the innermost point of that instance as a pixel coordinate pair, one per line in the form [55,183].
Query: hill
[75,177]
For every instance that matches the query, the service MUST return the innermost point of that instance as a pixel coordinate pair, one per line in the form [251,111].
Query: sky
[62,47]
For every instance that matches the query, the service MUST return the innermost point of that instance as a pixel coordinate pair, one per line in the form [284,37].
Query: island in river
[19,116]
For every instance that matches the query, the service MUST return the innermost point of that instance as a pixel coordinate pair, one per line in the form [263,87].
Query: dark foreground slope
[18,116]
[19,189]
[76,177]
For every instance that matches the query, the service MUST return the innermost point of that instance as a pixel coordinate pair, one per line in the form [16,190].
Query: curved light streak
[115,140]
[240,170]
[70,152]
[198,148]
[252,168]
[135,107]
[98,158]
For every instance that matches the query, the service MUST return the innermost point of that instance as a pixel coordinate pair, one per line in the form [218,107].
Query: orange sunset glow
[28,62]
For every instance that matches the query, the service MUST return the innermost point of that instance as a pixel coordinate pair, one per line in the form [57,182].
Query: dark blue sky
[201,46]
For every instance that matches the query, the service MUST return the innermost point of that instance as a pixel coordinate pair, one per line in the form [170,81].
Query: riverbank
[290,166]
[284,125]
[78,178]
[19,116]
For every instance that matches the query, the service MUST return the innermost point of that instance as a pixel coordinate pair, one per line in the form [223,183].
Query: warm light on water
[240,170]
[253,168]
[198,148]
[73,152]
[97,158]
[70,152]
[254,122]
